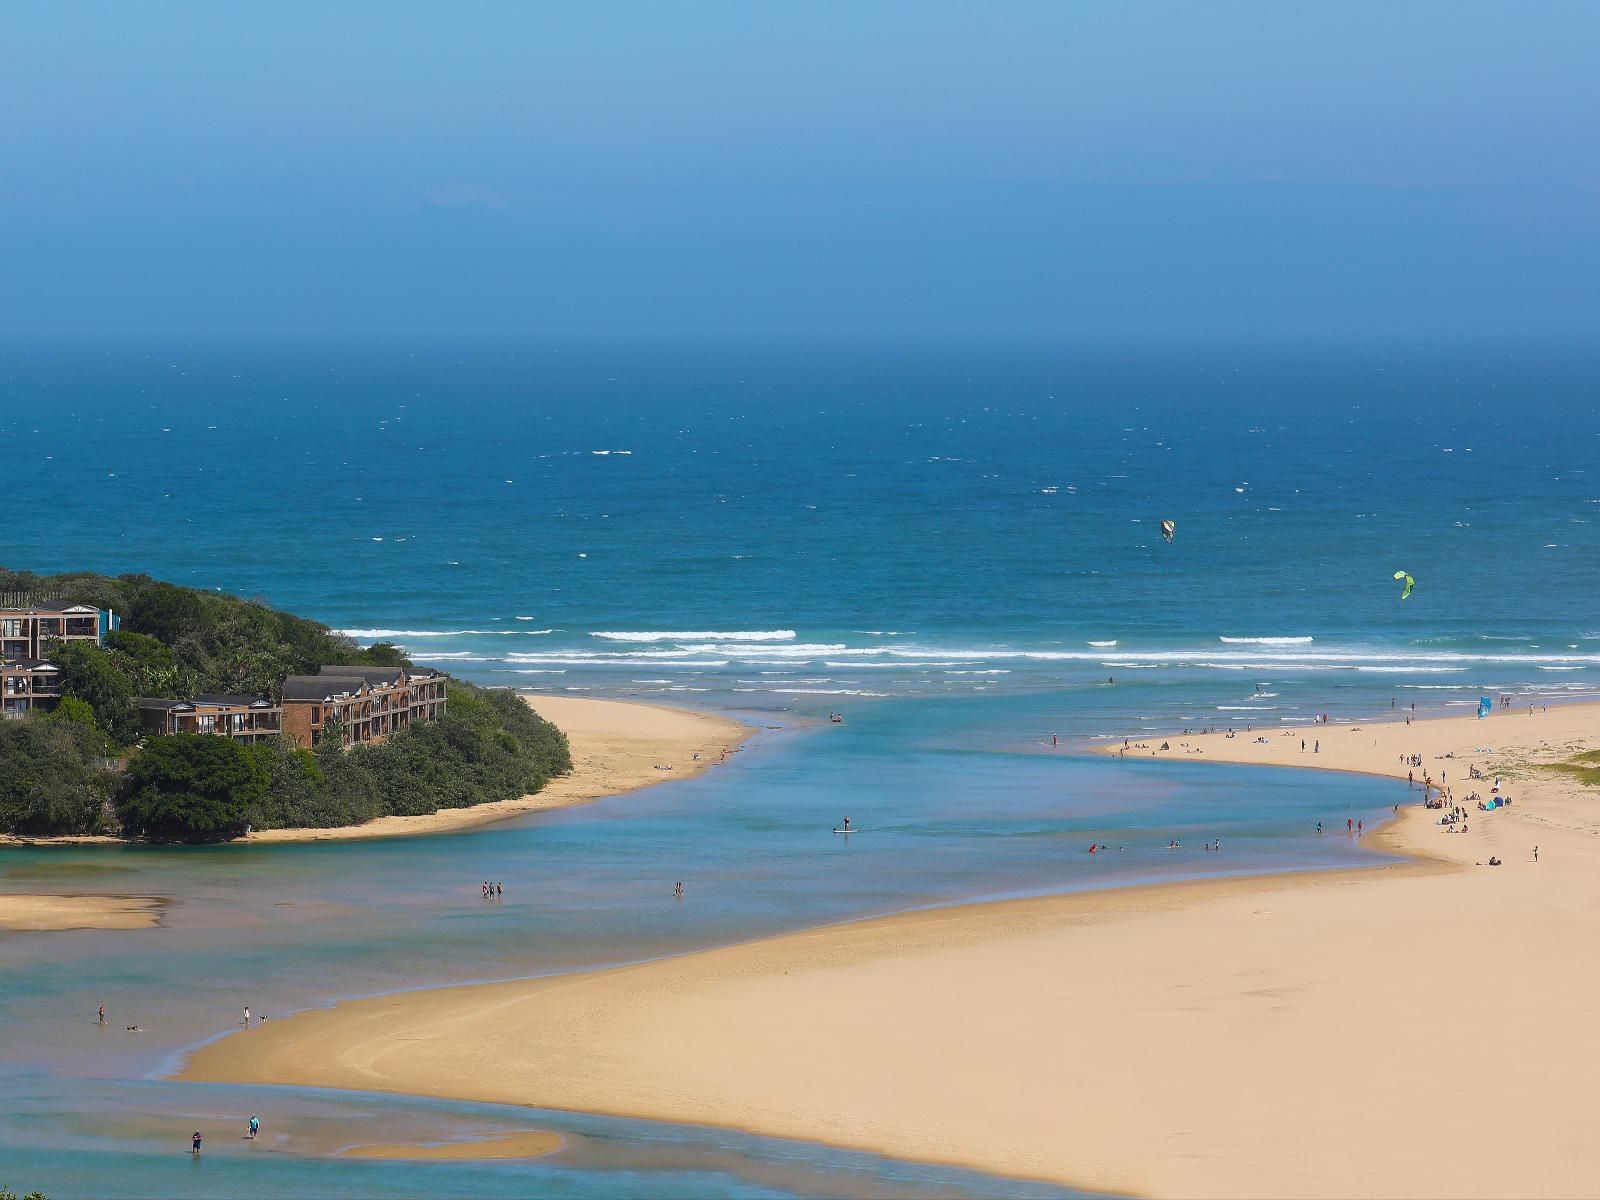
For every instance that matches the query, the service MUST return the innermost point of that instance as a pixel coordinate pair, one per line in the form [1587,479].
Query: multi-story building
[27,684]
[369,703]
[26,632]
[242,718]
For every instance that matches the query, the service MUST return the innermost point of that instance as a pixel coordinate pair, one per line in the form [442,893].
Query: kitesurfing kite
[1405,592]
[1168,528]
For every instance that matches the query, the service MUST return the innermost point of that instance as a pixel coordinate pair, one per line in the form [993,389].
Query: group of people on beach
[493,891]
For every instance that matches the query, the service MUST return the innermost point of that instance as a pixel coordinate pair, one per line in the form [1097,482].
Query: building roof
[383,675]
[28,664]
[312,687]
[234,701]
[160,703]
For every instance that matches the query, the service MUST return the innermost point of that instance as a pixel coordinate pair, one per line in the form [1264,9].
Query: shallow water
[956,549]
[285,927]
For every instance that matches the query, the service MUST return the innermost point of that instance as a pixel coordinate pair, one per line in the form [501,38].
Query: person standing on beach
[1359,828]
[1319,828]
[102,1014]
[1536,854]
[255,1126]
[1349,825]
[1317,749]
[247,1016]
[195,1147]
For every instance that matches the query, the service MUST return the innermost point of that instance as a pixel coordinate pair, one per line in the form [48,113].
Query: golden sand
[1419,1030]
[39,913]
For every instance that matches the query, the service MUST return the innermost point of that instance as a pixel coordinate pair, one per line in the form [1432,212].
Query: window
[207,723]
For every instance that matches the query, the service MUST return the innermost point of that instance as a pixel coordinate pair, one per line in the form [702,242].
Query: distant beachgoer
[1349,825]
[255,1127]
[1317,748]
[102,1014]
[1302,745]
[677,890]
[1536,854]
[1052,739]
[247,1014]
[1319,828]
[499,890]
[1093,846]
[1359,828]
[196,1148]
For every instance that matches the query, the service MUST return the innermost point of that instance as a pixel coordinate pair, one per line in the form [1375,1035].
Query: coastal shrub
[191,787]
[181,642]
[489,746]
[164,611]
[92,675]
[70,708]
[294,787]
[51,780]
[216,642]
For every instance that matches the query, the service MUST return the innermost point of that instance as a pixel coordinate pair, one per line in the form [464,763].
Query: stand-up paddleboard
[852,829]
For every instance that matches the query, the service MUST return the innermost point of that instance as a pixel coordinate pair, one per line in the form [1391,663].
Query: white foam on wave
[678,635]
[1266,641]
[825,692]
[1413,670]
[377,634]
[1104,645]
[1560,668]
[1247,708]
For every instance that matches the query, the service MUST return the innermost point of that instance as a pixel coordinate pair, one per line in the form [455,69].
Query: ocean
[957,549]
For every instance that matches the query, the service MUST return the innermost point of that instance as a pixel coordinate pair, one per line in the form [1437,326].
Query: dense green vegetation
[180,642]
[52,776]
[190,787]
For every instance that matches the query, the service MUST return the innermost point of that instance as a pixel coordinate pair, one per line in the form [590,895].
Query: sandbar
[40,913]
[1422,1029]
[534,1143]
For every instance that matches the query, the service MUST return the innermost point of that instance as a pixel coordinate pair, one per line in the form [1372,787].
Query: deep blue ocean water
[943,545]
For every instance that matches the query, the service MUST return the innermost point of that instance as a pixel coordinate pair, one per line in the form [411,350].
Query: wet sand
[1423,1029]
[527,1144]
[40,913]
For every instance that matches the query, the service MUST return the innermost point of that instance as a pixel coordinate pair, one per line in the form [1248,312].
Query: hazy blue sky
[857,170]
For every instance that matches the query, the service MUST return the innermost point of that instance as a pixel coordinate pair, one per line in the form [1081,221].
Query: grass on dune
[1585,768]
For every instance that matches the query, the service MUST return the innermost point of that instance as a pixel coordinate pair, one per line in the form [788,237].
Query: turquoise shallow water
[282,928]
[957,549]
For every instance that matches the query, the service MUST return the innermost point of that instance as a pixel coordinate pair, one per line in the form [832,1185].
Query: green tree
[165,612]
[70,708]
[91,675]
[51,779]
[191,787]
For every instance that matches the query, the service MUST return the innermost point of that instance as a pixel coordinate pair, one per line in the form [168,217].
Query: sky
[853,171]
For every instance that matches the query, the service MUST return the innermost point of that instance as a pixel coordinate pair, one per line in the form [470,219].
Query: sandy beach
[1419,1030]
[616,747]
[40,913]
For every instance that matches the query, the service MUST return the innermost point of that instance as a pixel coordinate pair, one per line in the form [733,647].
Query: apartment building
[26,684]
[369,703]
[26,632]
[243,718]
